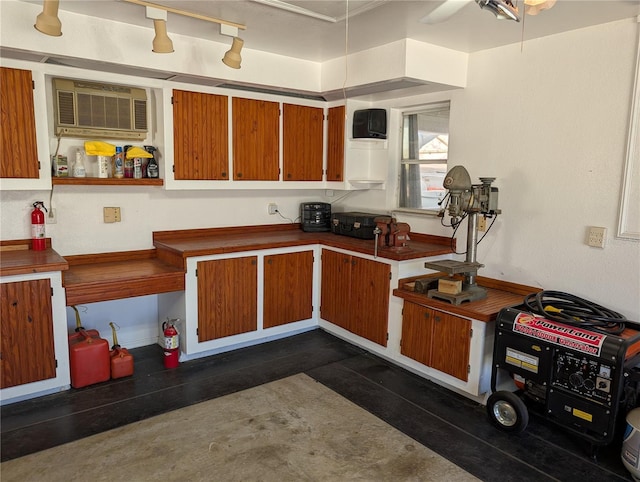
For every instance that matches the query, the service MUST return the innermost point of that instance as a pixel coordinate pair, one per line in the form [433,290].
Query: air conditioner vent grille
[103,110]
[66,113]
[140,114]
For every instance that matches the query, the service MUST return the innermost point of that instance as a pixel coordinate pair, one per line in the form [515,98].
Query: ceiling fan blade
[445,11]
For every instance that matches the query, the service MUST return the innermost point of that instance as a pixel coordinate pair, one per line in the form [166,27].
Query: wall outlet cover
[111,215]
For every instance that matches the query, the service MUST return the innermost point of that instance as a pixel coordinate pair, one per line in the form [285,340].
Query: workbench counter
[18,258]
[176,246]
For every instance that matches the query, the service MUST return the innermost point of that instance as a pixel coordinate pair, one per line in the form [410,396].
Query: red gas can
[121,359]
[88,356]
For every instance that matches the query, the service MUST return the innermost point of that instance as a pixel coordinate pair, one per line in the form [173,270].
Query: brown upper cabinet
[18,148]
[200,136]
[335,143]
[256,151]
[302,143]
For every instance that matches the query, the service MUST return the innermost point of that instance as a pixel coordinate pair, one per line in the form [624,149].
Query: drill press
[465,200]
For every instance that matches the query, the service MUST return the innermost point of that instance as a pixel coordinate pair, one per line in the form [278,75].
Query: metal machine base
[471,293]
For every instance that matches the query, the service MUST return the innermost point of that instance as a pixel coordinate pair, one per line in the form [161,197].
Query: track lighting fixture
[162,44]
[48,22]
[232,57]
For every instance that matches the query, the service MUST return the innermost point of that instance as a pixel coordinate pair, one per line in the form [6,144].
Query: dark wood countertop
[108,276]
[17,257]
[175,246]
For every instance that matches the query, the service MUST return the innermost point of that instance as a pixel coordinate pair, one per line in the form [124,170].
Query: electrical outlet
[596,236]
[272,208]
[111,215]
[482,223]
[51,217]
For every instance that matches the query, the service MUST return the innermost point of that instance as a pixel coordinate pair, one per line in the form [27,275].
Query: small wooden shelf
[111,276]
[110,181]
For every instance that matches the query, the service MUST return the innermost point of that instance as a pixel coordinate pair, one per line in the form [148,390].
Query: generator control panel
[590,378]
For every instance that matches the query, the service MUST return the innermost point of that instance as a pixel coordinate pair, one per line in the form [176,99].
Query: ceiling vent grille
[90,109]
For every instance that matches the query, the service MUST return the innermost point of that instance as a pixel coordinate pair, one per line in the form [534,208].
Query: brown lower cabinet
[436,339]
[227,297]
[26,326]
[288,288]
[355,294]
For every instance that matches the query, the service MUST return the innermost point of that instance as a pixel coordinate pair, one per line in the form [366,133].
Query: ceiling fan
[502,9]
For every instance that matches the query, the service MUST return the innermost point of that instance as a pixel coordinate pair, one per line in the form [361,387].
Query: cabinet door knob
[239,174]
[269,261]
[437,318]
[224,174]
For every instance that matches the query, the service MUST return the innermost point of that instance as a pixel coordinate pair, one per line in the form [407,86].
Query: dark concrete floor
[447,423]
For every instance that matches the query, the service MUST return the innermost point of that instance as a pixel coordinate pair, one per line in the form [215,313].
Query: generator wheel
[507,412]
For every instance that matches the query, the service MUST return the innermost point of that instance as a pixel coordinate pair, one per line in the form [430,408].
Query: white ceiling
[370,23]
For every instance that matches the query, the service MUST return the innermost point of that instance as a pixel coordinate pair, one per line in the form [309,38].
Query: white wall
[550,122]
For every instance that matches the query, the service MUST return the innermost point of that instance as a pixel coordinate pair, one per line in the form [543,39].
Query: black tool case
[356,225]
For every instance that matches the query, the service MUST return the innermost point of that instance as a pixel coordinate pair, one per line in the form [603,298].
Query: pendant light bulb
[162,44]
[48,22]
[232,58]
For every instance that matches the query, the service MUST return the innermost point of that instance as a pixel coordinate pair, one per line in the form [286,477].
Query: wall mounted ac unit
[90,109]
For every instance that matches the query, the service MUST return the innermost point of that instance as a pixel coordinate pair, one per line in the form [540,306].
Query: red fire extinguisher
[38,241]
[171,344]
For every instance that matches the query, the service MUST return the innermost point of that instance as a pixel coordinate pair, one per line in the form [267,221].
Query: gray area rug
[293,429]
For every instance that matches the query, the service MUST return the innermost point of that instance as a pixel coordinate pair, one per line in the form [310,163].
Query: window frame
[401,161]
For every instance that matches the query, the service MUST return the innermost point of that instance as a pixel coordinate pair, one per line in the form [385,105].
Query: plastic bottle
[118,163]
[78,166]
[153,171]
[137,168]
[103,166]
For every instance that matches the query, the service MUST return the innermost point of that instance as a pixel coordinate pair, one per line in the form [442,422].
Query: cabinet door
[200,136]
[451,344]
[335,143]
[288,288]
[302,141]
[256,128]
[335,290]
[227,297]
[26,322]
[417,332]
[369,299]
[18,148]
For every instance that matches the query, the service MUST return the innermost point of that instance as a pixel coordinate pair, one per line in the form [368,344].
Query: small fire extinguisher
[171,344]
[38,241]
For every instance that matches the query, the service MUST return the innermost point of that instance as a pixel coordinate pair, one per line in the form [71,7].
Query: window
[423,163]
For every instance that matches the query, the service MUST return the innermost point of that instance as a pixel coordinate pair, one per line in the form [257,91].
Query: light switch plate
[596,236]
[111,215]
